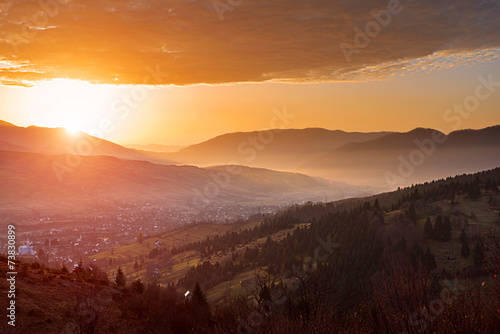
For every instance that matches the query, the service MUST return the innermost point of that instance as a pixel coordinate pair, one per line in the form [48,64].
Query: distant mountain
[156,148]
[415,156]
[3,123]
[60,141]
[31,181]
[275,149]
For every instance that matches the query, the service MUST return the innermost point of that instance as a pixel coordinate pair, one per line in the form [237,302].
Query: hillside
[54,141]
[47,183]
[312,265]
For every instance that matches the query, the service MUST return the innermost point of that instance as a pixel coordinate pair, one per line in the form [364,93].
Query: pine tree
[478,254]
[463,236]
[140,238]
[138,286]
[412,214]
[475,191]
[447,229]
[436,287]
[199,304]
[376,205]
[120,278]
[428,230]
[416,254]
[438,228]
[401,245]
[429,260]
[465,248]
[199,297]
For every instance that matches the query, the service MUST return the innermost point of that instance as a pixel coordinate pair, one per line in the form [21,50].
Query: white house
[188,295]
[26,249]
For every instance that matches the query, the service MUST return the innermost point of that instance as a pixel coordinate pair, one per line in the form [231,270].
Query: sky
[182,71]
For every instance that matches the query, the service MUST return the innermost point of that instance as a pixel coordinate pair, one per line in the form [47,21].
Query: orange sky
[424,58]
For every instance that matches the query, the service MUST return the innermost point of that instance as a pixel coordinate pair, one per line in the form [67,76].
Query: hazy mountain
[415,156]
[60,141]
[45,182]
[275,149]
[156,148]
[3,123]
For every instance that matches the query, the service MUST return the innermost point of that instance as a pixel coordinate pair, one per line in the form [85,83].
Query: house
[188,296]
[26,249]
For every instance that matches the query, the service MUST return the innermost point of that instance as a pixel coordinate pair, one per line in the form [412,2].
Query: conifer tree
[446,229]
[120,278]
[478,254]
[199,297]
[465,248]
[412,214]
[429,260]
[428,230]
[463,236]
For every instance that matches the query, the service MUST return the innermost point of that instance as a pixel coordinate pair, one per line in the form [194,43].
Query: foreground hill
[275,149]
[364,265]
[54,141]
[401,159]
[70,184]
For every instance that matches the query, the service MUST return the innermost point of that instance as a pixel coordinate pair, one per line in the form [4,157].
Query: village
[67,240]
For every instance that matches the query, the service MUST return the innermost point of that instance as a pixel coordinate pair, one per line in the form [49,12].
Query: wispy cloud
[115,41]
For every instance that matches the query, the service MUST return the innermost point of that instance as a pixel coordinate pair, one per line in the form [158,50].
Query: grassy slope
[448,254]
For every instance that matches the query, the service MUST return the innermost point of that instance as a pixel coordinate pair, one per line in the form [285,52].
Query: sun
[71,104]
[74,114]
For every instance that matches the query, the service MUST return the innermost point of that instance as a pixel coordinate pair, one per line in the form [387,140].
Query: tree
[428,231]
[199,305]
[442,229]
[120,278]
[465,248]
[478,254]
[438,228]
[412,214]
[463,236]
[429,260]
[136,266]
[79,270]
[138,286]
[475,190]
[199,297]
[140,238]
[401,245]
[376,205]
[447,229]
[436,287]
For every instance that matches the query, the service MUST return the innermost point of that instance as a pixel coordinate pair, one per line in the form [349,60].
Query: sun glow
[71,104]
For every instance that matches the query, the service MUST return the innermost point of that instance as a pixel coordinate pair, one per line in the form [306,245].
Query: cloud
[186,42]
